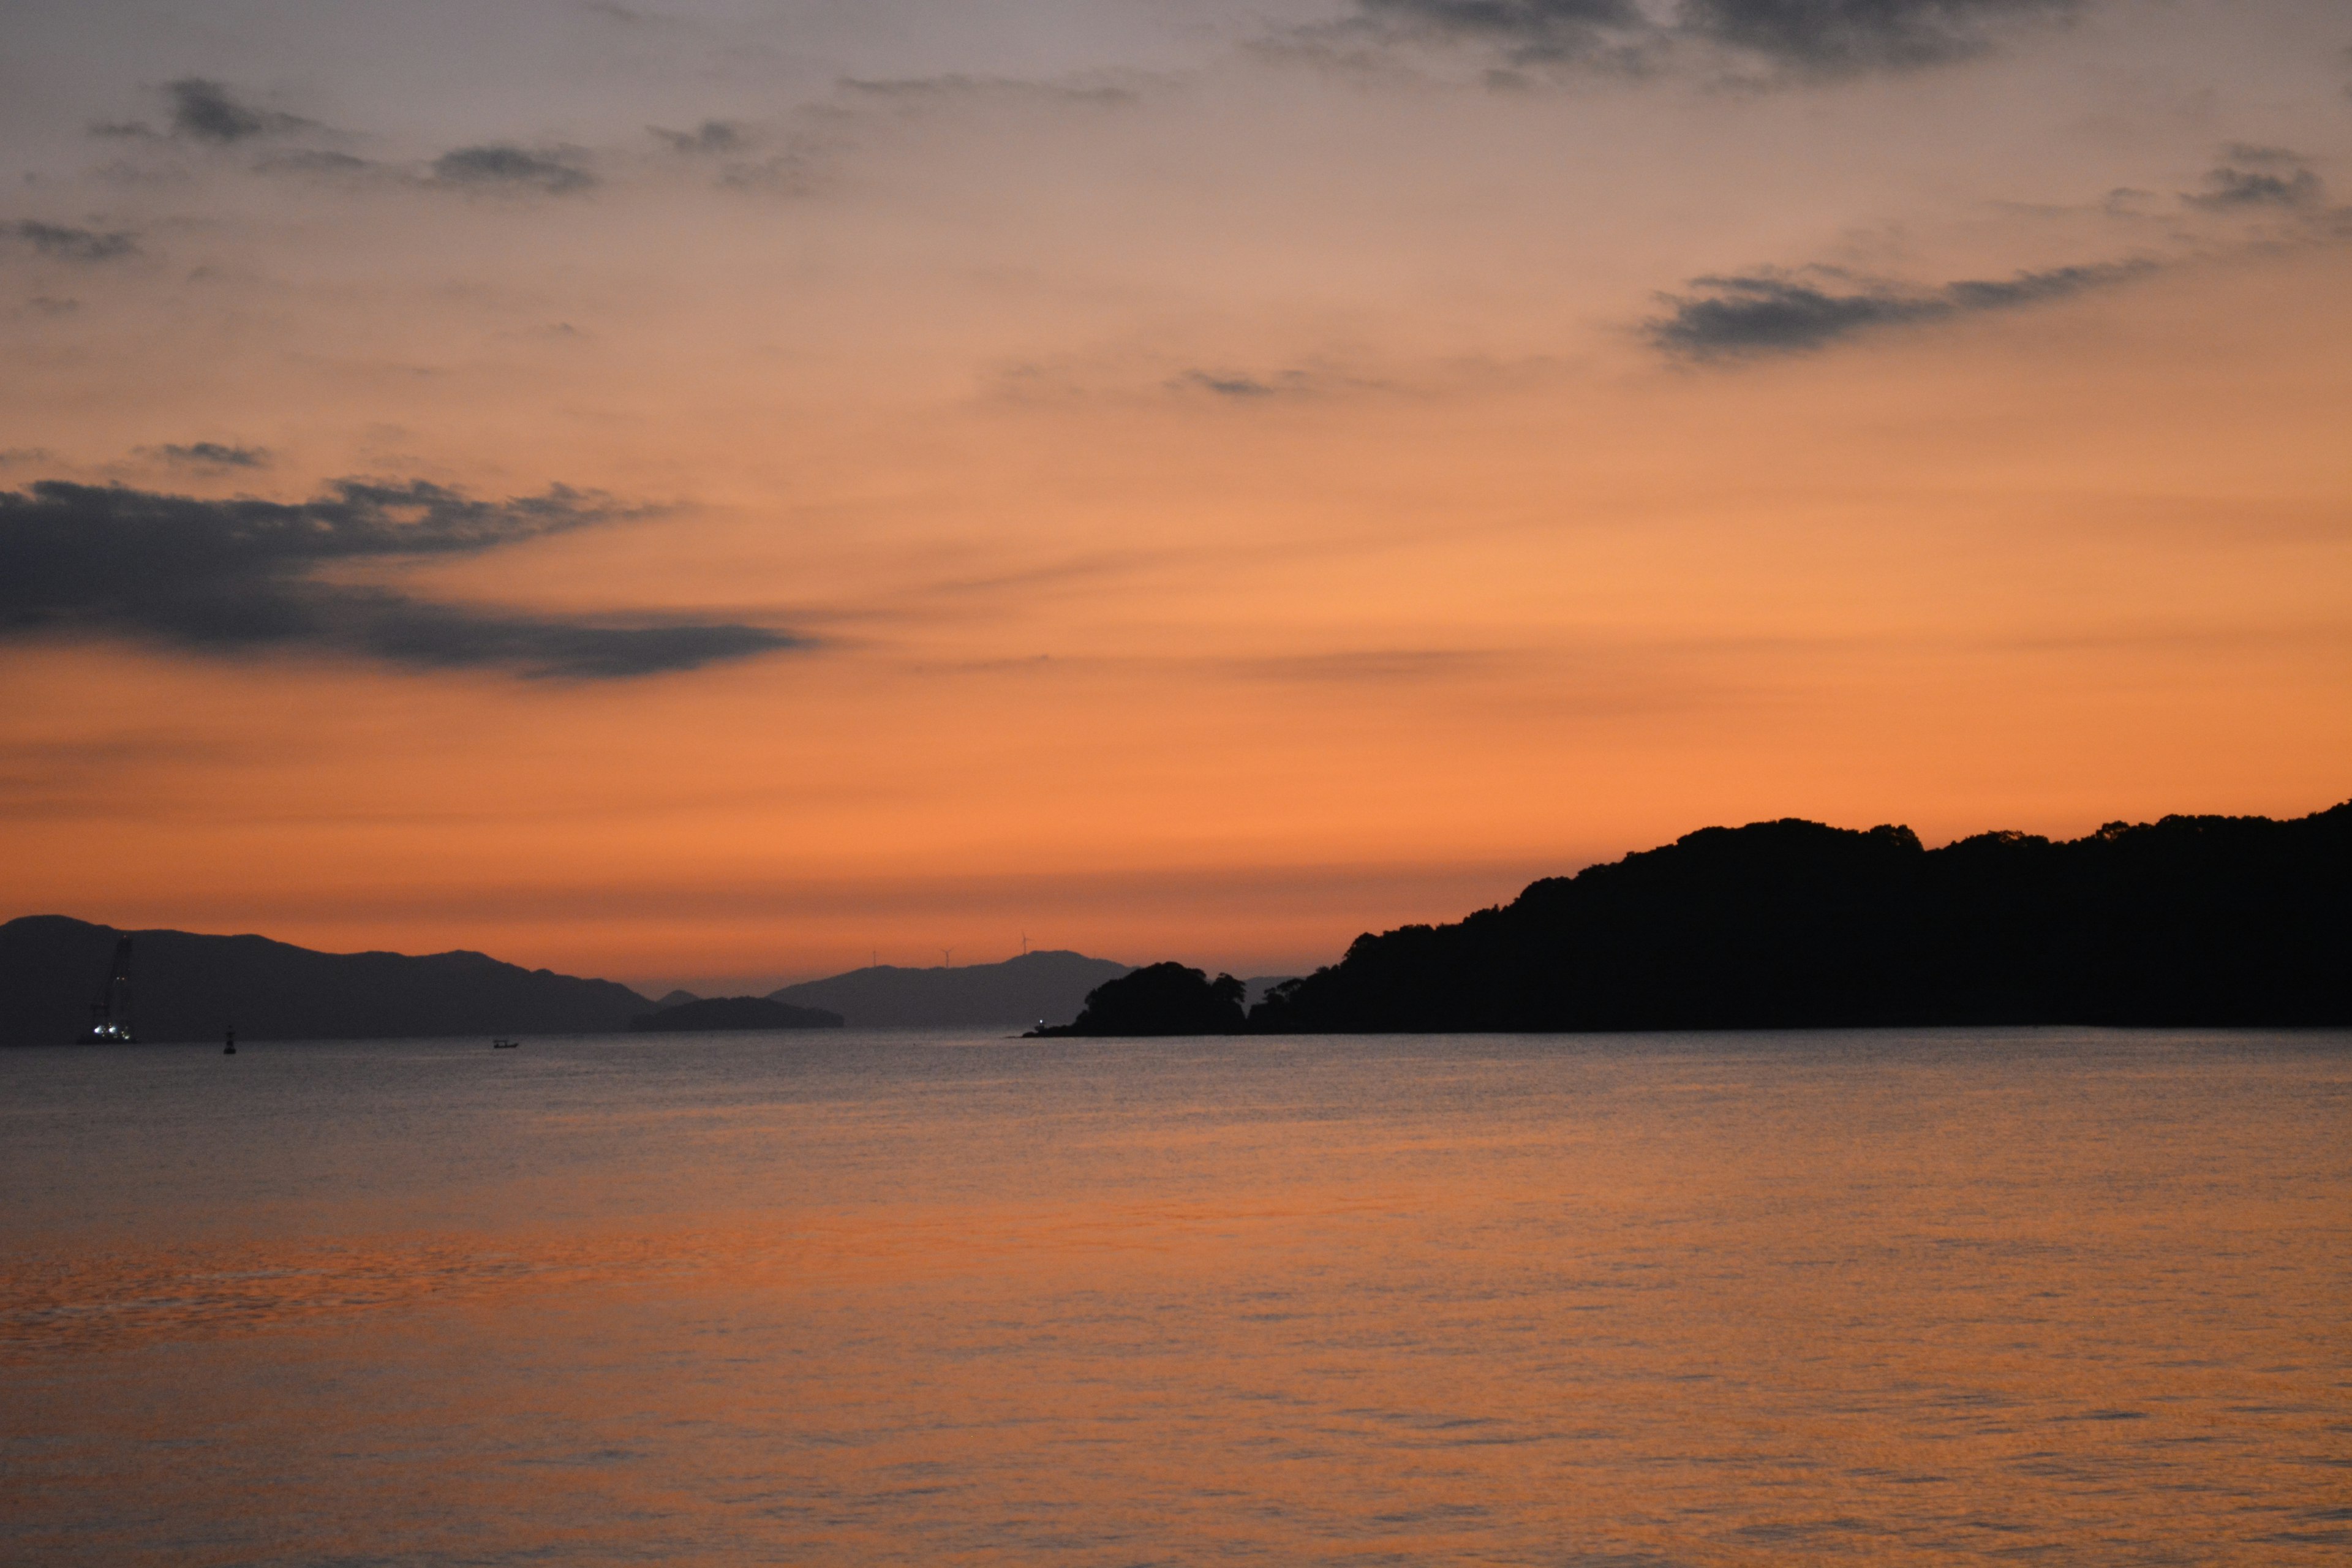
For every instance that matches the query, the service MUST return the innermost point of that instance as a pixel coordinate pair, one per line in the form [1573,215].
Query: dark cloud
[211,455]
[501,166]
[621,14]
[1223,385]
[2258,177]
[317,161]
[785,173]
[64,244]
[957,88]
[711,136]
[227,578]
[1816,38]
[1762,313]
[207,111]
[1524,31]
[1249,386]
[1837,35]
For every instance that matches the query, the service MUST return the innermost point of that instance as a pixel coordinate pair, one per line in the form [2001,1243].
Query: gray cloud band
[1774,311]
[60,242]
[502,168]
[207,111]
[1814,36]
[1769,313]
[209,455]
[225,578]
[2252,177]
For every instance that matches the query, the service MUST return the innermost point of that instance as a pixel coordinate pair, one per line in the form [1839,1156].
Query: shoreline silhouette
[2219,921]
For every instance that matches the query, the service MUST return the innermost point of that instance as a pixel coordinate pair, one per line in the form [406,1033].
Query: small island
[717,1013]
[1159,999]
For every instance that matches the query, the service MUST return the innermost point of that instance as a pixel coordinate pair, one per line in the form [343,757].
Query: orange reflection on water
[1464,1302]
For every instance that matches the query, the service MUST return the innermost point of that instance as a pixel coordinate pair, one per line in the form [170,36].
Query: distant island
[1016,992]
[1159,999]
[733,1013]
[2215,920]
[187,987]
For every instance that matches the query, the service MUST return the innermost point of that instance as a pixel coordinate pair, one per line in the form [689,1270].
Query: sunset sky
[704,493]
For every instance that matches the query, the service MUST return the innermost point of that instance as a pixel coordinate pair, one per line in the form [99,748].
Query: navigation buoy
[228,1046]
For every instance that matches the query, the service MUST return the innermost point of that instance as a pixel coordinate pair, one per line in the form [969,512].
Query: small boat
[506,1045]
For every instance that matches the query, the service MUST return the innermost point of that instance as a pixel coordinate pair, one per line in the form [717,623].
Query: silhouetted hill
[189,987]
[676,999]
[734,1012]
[1160,999]
[2190,920]
[1020,991]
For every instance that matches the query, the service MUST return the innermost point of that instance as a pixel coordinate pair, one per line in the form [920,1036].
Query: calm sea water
[2066,1296]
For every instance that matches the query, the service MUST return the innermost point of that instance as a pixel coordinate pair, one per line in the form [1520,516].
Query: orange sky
[1231,481]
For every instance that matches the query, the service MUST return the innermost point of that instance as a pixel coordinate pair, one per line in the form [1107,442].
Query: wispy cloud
[63,242]
[207,111]
[244,577]
[1756,314]
[210,455]
[1231,383]
[1834,36]
[318,161]
[957,88]
[502,166]
[1779,310]
[1291,382]
[711,136]
[2255,177]
[1789,38]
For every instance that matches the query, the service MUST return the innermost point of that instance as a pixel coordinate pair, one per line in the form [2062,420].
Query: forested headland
[2221,920]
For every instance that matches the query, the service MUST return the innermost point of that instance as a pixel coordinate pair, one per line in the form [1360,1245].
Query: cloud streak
[1799,37]
[500,166]
[207,111]
[2258,177]
[711,136]
[1229,383]
[1836,36]
[244,577]
[210,455]
[957,87]
[61,243]
[1758,314]
[1773,311]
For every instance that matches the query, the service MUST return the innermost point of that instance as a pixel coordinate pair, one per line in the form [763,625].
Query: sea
[2056,1296]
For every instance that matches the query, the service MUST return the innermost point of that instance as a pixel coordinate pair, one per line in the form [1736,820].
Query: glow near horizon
[1223,467]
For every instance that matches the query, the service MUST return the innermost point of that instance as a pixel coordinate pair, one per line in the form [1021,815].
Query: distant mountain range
[1051,985]
[186,986]
[190,987]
